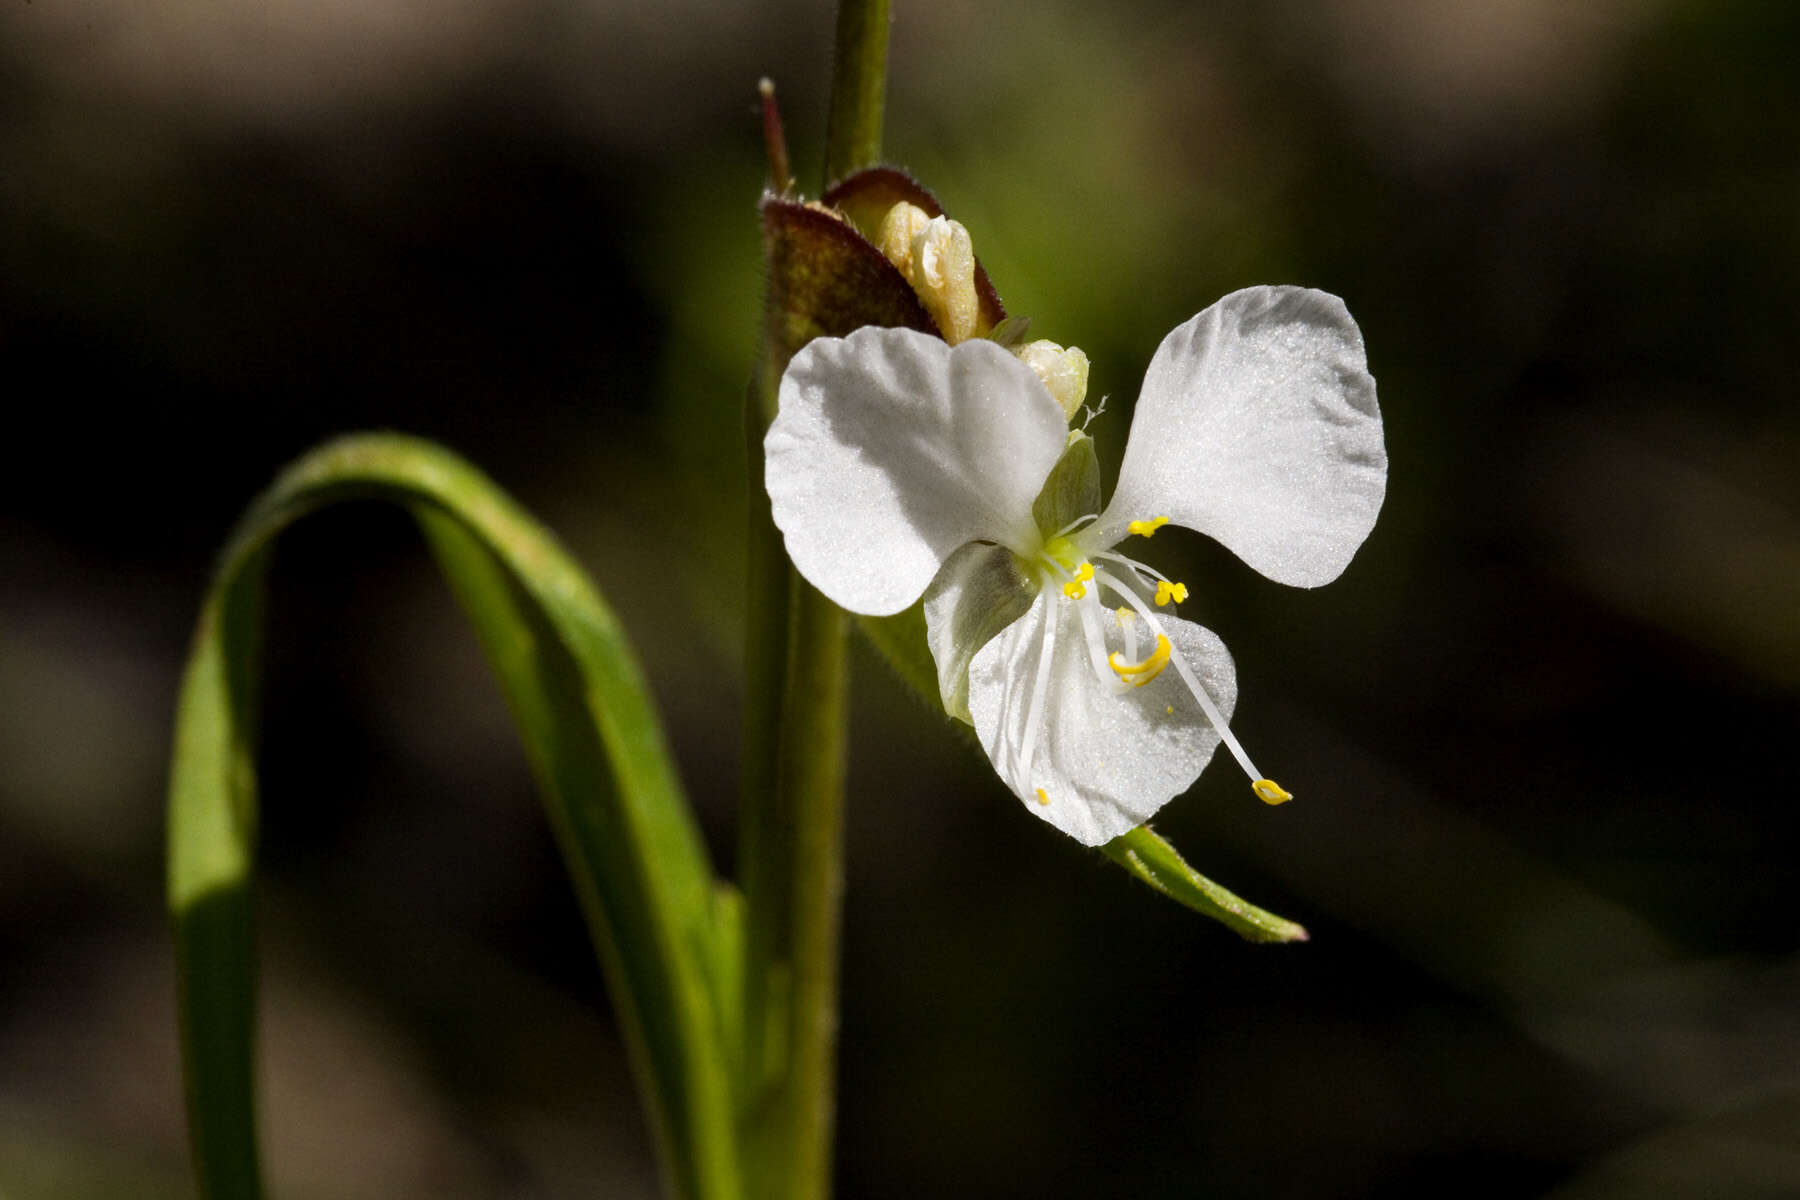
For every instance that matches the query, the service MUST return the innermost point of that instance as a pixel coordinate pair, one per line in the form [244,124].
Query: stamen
[1043,796]
[1267,790]
[1040,686]
[1089,612]
[1128,622]
[1187,676]
[1147,573]
[1138,674]
[1166,591]
[1146,528]
[1073,588]
[1072,526]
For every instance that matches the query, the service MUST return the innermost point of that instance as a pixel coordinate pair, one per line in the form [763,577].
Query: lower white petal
[1101,761]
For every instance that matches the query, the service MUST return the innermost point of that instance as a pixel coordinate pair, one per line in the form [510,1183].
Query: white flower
[900,467]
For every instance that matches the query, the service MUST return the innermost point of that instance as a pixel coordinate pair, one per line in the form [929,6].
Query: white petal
[1258,425]
[978,593]
[891,449]
[1105,760]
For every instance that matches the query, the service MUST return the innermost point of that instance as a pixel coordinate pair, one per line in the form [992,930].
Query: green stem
[791,860]
[792,830]
[858,88]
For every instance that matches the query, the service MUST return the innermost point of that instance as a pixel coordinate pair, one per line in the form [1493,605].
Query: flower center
[1062,560]
[1062,552]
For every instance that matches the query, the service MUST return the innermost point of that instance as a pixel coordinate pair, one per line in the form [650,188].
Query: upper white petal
[891,449]
[1258,425]
[1105,760]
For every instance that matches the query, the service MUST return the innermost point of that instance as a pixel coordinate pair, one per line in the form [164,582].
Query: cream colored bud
[895,240]
[938,259]
[1064,372]
[944,277]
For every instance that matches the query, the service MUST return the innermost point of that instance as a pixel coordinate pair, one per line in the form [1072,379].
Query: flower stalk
[791,833]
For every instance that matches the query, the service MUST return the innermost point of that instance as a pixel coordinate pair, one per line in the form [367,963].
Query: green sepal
[1072,489]
[865,197]
[1010,332]
[827,280]
[1153,860]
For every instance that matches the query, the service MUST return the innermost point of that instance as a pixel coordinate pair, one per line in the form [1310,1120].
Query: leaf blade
[595,745]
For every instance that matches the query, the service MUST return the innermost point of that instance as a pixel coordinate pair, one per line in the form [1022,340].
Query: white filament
[1187,674]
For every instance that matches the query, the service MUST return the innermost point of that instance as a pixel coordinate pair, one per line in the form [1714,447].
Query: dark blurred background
[1542,730]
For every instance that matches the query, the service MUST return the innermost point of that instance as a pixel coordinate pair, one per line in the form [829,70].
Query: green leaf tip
[1152,859]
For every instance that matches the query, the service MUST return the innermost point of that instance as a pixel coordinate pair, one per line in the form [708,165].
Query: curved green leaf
[667,938]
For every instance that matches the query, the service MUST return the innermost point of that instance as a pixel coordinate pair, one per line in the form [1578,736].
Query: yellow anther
[1170,709]
[1074,589]
[1138,674]
[1063,551]
[1147,528]
[1270,792]
[1043,796]
[1166,591]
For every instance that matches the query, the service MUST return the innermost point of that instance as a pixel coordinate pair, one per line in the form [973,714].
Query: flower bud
[903,222]
[938,258]
[1064,372]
